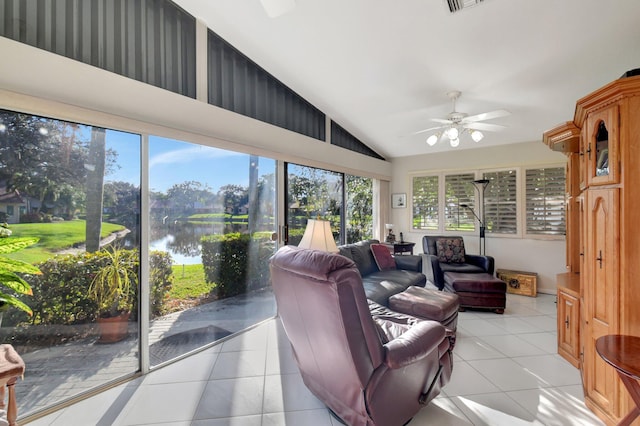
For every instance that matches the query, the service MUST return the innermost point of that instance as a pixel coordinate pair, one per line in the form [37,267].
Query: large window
[212,213]
[314,193]
[500,202]
[454,197]
[545,189]
[77,189]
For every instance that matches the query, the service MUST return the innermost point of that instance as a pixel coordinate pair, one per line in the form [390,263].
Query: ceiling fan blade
[427,130]
[484,126]
[486,115]
[441,120]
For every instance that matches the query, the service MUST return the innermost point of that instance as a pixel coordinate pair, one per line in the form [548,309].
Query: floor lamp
[481,186]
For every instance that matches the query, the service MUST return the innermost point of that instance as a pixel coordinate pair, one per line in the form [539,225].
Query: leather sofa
[369,369]
[380,285]
[434,269]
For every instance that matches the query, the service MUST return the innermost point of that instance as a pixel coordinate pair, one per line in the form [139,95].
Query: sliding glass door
[212,214]
[75,189]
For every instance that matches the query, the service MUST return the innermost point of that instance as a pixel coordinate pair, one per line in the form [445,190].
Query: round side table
[623,354]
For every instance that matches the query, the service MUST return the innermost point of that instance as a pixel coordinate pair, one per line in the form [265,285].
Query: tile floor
[506,372]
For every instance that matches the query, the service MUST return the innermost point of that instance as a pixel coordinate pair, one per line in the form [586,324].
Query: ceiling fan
[458,123]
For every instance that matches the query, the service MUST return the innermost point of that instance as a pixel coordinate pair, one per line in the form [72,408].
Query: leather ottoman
[428,304]
[478,290]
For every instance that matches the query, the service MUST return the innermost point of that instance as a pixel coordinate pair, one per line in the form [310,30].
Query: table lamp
[318,236]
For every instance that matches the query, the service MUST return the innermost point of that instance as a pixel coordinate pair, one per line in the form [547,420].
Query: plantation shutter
[500,202]
[459,189]
[425,202]
[545,201]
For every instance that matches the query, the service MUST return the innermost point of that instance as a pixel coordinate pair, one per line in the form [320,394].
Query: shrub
[295,236]
[33,217]
[161,277]
[236,262]
[60,293]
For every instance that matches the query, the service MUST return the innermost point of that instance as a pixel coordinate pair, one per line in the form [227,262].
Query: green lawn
[189,283]
[54,236]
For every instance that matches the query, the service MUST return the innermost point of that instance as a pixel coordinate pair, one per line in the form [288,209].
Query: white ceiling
[382,68]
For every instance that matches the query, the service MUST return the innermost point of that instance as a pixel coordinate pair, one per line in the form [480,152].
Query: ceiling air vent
[458,5]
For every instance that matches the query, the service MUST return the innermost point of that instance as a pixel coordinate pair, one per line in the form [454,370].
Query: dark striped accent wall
[344,139]
[238,84]
[152,41]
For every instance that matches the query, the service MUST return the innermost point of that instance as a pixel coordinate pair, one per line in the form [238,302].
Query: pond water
[182,240]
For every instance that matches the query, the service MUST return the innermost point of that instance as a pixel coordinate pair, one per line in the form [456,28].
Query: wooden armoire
[600,292]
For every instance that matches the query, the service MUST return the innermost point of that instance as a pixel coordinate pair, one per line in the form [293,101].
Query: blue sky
[172,162]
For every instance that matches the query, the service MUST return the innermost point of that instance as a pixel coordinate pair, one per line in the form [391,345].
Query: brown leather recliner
[369,370]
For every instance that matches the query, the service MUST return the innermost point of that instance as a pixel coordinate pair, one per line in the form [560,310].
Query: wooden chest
[519,282]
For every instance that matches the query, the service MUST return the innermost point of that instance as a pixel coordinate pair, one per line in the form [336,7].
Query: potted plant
[111,289]
[9,268]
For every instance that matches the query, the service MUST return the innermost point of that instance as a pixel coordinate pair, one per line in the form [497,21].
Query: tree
[233,197]
[41,158]
[186,196]
[314,191]
[254,194]
[359,208]
[122,202]
[95,181]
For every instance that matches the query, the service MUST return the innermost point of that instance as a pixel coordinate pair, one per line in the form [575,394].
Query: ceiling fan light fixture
[456,123]
[476,135]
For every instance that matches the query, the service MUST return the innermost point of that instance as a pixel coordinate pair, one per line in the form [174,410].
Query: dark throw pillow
[383,257]
[450,250]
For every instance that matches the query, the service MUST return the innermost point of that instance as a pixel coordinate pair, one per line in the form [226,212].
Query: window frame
[525,231]
[521,202]
[438,219]
[519,205]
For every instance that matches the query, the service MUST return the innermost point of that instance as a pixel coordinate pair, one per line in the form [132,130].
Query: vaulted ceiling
[382,68]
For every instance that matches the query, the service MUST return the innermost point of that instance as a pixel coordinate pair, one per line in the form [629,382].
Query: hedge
[236,262]
[60,293]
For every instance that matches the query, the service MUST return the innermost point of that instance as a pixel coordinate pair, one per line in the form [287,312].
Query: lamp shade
[318,236]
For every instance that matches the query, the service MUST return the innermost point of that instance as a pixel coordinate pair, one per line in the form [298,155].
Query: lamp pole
[481,186]
[467,206]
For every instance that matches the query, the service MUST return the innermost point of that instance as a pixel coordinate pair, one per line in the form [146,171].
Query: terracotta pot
[113,329]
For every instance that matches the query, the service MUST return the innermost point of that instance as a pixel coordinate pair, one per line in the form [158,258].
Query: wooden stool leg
[2,405]
[3,411]
[12,409]
[634,391]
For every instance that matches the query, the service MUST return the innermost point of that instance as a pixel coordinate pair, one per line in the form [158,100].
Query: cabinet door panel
[568,327]
[602,291]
